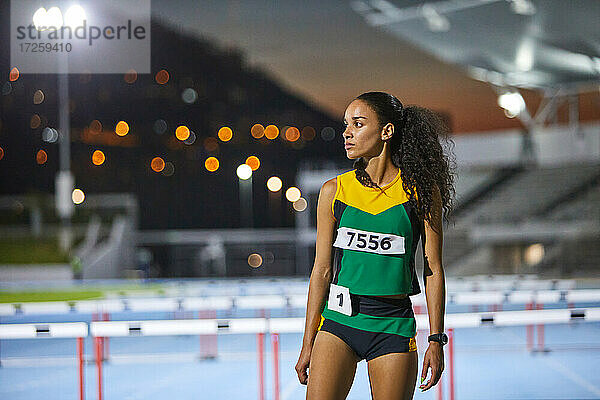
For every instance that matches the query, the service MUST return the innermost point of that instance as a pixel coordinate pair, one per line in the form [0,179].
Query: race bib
[372,242]
[339,299]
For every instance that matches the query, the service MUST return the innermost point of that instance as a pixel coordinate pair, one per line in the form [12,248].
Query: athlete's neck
[380,168]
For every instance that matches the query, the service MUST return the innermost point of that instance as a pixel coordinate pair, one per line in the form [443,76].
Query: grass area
[87,293]
[34,296]
[31,251]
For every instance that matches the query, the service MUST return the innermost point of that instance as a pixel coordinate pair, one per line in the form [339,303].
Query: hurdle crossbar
[173,304]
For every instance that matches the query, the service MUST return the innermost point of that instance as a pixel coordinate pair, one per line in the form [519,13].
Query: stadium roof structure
[551,46]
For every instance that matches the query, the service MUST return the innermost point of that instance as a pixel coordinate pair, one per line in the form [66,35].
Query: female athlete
[369,222]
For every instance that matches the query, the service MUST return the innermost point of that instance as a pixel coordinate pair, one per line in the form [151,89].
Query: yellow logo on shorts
[412,344]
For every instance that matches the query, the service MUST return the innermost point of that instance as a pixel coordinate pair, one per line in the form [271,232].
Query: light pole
[64,181]
[244,173]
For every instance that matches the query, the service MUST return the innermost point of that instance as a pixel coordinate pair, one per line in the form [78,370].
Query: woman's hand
[302,364]
[434,359]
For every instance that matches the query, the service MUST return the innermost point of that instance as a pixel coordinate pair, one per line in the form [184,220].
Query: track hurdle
[77,330]
[493,299]
[263,326]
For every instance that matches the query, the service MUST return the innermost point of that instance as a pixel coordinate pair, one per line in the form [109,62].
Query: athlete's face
[363,136]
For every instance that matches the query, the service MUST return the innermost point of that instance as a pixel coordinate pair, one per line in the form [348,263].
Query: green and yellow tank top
[376,236]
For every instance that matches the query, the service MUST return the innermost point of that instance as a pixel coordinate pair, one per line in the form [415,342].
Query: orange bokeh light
[35,121]
[41,157]
[308,133]
[162,77]
[14,74]
[98,157]
[225,134]
[1,153]
[130,76]
[122,128]
[271,131]
[157,164]
[292,134]
[253,162]
[182,132]
[95,126]
[211,164]
[257,131]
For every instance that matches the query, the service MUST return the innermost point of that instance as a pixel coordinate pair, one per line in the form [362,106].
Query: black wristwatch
[441,338]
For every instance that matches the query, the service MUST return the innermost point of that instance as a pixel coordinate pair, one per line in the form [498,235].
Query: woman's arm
[321,274]
[435,288]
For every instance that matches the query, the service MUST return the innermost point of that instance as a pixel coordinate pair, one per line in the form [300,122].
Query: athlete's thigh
[394,376]
[332,368]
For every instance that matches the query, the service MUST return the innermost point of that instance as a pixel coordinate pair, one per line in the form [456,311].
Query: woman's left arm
[435,290]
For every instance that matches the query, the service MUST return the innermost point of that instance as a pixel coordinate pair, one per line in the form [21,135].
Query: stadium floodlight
[74,16]
[512,103]
[45,19]
[522,7]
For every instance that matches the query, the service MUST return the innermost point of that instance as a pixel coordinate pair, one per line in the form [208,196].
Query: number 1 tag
[339,299]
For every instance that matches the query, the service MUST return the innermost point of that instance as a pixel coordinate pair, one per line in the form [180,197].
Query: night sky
[329,55]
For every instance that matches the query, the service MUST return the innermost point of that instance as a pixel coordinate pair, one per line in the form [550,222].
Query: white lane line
[566,371]
[563,369]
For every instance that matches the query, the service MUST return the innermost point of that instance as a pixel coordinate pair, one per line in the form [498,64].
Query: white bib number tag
[339,299]
[372,242]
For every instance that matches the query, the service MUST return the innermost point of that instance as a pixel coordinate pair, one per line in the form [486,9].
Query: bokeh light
[328,133]
[300,204]
[98,157]
[122,128]
[189,96]
[211,164]
[35,121]
[1,153]
[49,135]
[225,134]
[292,134]
[78,196]
[308,133]
[257,131]
[268,257]
[162,77]
[191,138]
[182,132]
[244,171]
[130,76]
[157,164]
[271,131]
[253,162]
[169,169]
[292,194]
[160,126]
[95,126]
[38,97]
[13,75]
[41,157]
[274,184]
[255,260]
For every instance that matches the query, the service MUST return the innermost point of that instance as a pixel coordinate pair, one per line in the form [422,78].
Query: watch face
[444,338]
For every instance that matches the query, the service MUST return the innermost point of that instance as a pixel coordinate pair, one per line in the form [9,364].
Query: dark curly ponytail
[416,150]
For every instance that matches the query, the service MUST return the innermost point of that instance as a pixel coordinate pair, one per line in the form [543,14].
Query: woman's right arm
[321,275]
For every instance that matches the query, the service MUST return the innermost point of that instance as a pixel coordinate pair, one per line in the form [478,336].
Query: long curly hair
[416,149]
